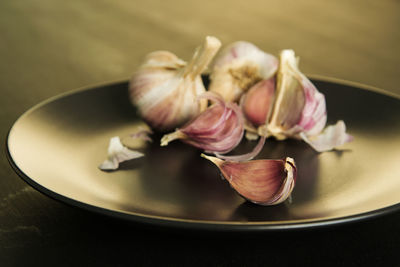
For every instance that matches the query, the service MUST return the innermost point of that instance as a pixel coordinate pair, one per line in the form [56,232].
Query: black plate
[57,145]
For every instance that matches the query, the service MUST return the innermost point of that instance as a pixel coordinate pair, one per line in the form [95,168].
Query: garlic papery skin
[218,129]
[257,102]
[118,153]
[238,67]
[165,89]
[332,137]
[247,156]
[264,182]
[298,106]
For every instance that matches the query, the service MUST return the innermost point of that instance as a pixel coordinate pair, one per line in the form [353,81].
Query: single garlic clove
[264,182]
[218,129]
[298,106]
[238,67]
[165,89]
[257,102]
[332,136]
[118,153]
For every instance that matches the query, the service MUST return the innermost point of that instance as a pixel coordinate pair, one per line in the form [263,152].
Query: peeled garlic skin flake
[118,153]
[264,182]
[331,137]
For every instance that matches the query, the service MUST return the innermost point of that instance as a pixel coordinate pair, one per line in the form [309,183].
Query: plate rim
[194,224]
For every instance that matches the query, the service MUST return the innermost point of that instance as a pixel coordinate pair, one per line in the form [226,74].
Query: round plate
[57,146]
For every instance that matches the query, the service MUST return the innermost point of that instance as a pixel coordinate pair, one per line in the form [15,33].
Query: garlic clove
[238,67]
[218,129]
[332,137]
[257,102]
[298,106]
[165,89]
[118,153]
[264,182]
[211,121]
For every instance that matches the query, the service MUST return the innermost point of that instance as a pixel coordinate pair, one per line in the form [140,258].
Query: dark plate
[57,145]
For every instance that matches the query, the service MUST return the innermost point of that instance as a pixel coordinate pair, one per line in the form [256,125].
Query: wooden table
[49,47]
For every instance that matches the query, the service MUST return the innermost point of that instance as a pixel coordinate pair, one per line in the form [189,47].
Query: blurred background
[51,45]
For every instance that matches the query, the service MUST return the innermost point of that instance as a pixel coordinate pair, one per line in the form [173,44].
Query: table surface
[50,47]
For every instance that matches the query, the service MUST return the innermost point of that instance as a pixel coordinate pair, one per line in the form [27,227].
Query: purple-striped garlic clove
[218,129]
[165,88]
[264,182]
[238,67]
[257,102]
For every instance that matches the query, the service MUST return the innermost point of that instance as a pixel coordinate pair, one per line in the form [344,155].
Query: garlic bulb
[218,129]
[164,89]
[264,182]
[238,67]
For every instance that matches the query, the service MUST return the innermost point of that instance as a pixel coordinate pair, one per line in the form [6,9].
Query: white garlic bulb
[238,67]
[165,88]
